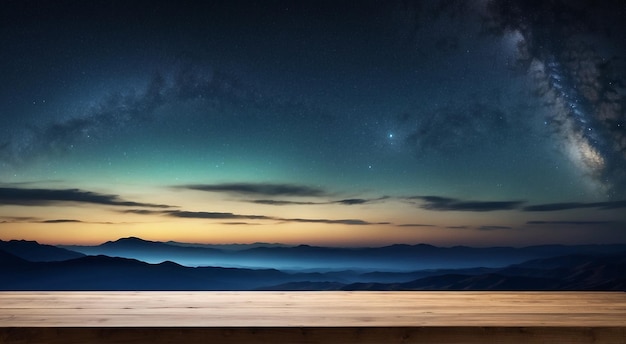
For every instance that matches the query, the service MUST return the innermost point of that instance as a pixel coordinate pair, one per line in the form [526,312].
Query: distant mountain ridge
[33,251]
[229,247]
[579,272]
[575,273]
[398,258]
[599,270]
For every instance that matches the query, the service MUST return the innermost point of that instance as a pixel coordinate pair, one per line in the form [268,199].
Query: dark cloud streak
[280,202]
[576,223]
[265,189]
[231,216]
[41,197]
[576,205]
[348,201]
[492,228]
[212,215]
[343,222]
[439,203]
[61,221]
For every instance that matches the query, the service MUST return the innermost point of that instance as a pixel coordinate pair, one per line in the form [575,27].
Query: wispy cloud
[493,228]
[576,205]
[240,223]
[481,228]
[196,214]
[62,221]
[347,201]
[343,222]
[26,219]
[414,225]
[79,221]
[232,216]
[17,219]
[575,223]
[452,204]
[283,202]
[213,215]
[355,201]
[38,197]
[265,189]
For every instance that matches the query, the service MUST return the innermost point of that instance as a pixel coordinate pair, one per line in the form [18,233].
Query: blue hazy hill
[393,258]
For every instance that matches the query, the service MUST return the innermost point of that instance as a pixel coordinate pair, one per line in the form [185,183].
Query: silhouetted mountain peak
[131,239]
[36,252]
[23,241]
[169,263]
[133,242]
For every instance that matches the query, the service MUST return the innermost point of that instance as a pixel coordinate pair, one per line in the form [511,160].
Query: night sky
[334,123]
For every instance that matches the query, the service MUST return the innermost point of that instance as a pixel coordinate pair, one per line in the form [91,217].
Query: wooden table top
[312,309]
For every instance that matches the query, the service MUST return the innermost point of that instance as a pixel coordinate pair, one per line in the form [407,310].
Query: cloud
[348,201]
[141,212]
[61,221]
[17,219]
[439,203]
[240,223]
[279,202]
[265,189]
[557,206]
[355,201]
[212,215]
[352,201]
[414,225]
[28,219]
[37,197]
[576,205]
[78,221]
[492,228]
[481,228]
[232,216]
[576,223]
[343,222]
[196,214]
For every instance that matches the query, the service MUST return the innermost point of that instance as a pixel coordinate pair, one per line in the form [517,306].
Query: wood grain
[312,317]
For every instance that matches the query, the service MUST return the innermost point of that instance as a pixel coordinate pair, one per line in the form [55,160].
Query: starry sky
[333,123]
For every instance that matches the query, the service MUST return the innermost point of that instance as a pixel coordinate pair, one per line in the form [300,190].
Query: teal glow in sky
[456,123]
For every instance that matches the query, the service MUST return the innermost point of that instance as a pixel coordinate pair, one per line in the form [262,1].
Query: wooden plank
[18,309]
[312,317]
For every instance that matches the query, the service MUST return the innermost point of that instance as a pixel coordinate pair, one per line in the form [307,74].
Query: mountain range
[399,258]
[33,251]
[32,266]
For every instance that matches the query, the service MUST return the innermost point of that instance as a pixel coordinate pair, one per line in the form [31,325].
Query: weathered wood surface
[312,317]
